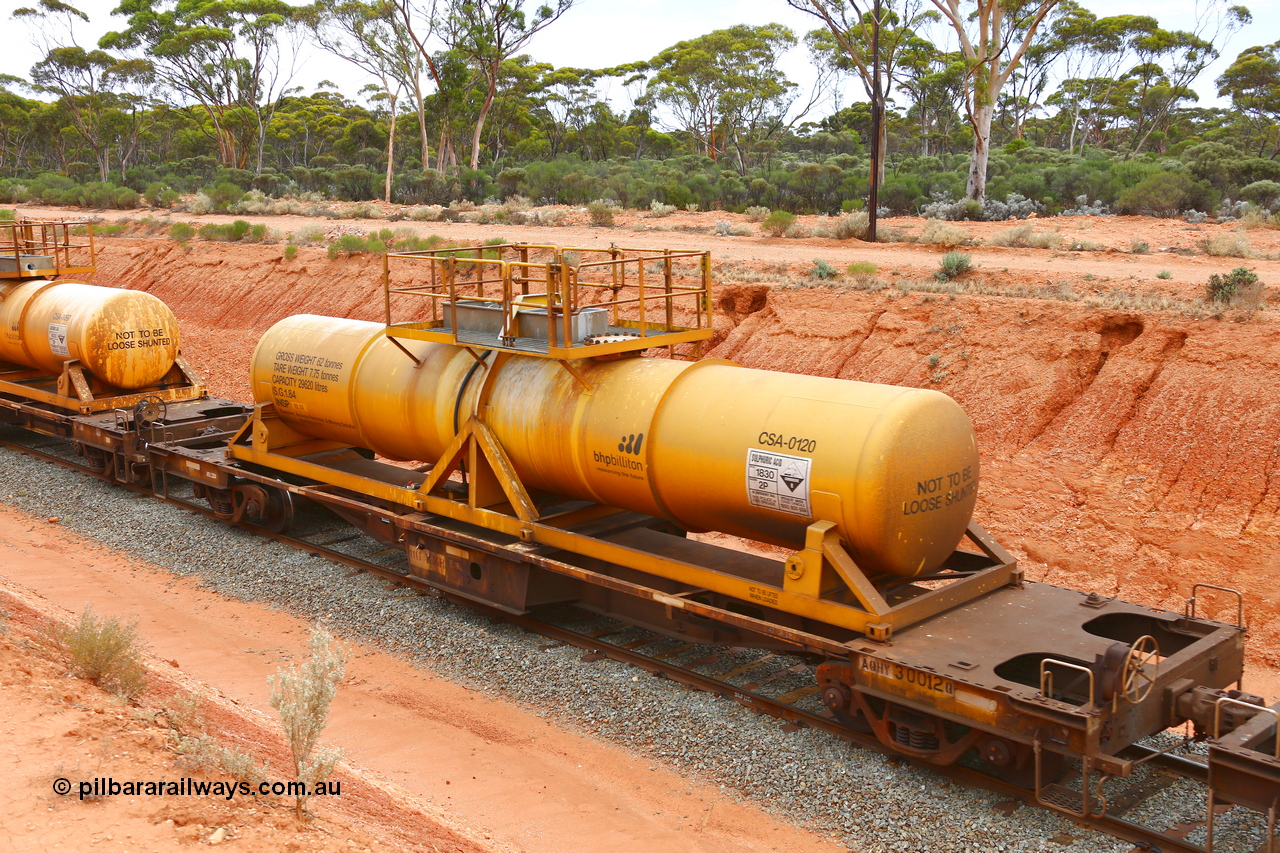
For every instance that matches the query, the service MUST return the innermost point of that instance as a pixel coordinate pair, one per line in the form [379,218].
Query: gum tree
[488,33]
[725,88]
[228,56]
[994,36]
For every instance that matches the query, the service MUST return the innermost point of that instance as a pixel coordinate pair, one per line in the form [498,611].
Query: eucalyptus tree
[1169,61]
[1253,83]
[103,97]
[850,34]
[372,36]
[1094,54]
[934,82]
[725,88]
[488,33]
[994,36]
[231,57]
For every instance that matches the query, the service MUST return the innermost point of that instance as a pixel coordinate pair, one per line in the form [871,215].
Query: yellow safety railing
[23,239]
[646,292]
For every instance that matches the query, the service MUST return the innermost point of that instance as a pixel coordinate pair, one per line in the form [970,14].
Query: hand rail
[1046,679]
[1191,602]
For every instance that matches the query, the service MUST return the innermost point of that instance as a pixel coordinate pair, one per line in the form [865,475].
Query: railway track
[776,684]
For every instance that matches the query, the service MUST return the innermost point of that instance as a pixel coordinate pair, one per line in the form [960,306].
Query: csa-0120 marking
[919,678]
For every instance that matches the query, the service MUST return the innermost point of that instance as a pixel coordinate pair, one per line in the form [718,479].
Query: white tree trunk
[977,187]
[391,149]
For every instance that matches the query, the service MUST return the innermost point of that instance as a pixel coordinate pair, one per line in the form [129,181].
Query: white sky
[604,33]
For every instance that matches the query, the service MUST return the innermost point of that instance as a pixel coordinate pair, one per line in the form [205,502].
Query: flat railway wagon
[505,429]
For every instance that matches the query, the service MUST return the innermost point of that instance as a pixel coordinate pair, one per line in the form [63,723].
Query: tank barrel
[126,338]
[708,445]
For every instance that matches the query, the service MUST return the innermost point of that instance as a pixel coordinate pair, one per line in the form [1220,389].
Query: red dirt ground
[430,767]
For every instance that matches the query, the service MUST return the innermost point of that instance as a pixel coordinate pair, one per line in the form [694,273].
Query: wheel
[1015,762]
[839,702]
[265,507]
[1137,682]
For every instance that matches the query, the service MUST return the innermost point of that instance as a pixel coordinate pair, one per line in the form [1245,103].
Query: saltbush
[1226,288]
[954,264]
[823,270]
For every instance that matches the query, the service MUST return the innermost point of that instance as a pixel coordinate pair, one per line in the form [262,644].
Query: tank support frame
[474,483]
[78,391]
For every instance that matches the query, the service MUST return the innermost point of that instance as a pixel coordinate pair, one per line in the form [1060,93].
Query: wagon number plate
[896,672]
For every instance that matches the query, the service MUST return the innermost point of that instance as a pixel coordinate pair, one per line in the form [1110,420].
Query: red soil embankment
[1132,454]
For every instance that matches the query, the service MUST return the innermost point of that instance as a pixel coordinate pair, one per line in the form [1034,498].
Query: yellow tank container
[126,338]
[708,445]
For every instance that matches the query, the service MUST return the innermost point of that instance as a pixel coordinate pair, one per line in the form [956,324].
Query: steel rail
[1114,825]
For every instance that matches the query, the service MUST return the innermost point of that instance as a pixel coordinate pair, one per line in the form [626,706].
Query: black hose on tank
[462,388]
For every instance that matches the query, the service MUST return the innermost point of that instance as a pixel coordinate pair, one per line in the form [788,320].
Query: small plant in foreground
[1165,274]
[863,272]
[302,695]
[954,264]
[823,270]
[1139,247]
[290,252]
[1240,283]
[105,651]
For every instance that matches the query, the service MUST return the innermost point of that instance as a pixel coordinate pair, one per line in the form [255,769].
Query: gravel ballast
[871,802]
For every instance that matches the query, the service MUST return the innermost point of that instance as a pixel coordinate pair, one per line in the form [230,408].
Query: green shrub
[1262,193]
[1164,274]
[154,192]
[233,233]
[105,651]
[1239,284]
[290,252]
[223,194]
[1139,247]
[257,233]
[181,231]
[601,212]
[124,198]
[1167,194]
[823,270]
[6,214]
[352,244]
[954,264]
[778,222]
[861,269]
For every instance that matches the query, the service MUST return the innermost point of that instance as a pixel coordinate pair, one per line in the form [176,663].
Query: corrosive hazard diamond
[792,476]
